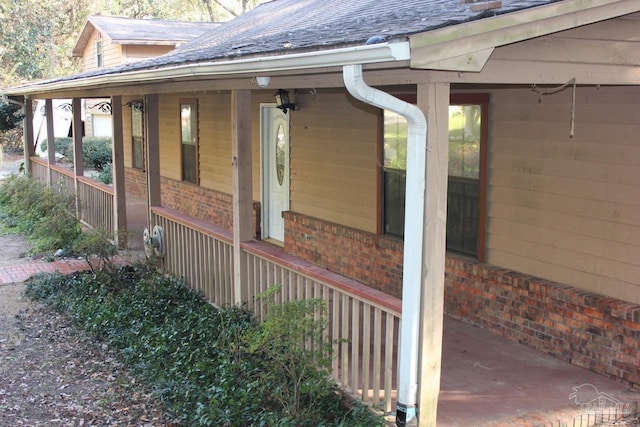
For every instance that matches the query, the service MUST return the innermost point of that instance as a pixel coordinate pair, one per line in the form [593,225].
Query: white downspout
[413,233]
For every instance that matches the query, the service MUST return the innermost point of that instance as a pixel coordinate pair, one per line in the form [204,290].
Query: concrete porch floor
[488,380]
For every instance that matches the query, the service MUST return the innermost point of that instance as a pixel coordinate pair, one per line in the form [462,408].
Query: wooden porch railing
[363,323]
[95,199]
[39,169]
[96,204]
[63,179]
[200,253]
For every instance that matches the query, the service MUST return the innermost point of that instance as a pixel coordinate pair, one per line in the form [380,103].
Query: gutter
[413,234]
[367,54]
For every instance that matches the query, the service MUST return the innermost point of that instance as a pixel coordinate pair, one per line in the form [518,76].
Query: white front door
[275,171]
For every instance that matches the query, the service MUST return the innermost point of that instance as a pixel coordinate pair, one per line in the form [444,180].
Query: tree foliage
[10,116]
[36,37]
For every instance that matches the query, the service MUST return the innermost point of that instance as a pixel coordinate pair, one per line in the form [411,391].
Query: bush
[11,141]
[63,145]
[209,366]
[106,176]
[96,151]
[46,216]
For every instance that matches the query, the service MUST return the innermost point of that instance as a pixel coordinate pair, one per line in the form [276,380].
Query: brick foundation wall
[201,203]
[135,182]
[369,258]
[585,329]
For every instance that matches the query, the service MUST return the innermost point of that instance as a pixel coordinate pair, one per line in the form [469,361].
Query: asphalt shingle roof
[285,26]
[290,26]
[120,29]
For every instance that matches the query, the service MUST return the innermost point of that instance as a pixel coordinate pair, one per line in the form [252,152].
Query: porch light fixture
[283,102]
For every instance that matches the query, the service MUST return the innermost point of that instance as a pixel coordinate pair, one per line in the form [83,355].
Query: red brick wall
[208,205]
[585,329]
[369,258]
[135,182]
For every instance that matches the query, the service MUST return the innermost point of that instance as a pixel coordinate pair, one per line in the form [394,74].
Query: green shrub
[106,176]
[291,340]
[96,248]
[46,216]
[209,366]
[63,145]
[96,151]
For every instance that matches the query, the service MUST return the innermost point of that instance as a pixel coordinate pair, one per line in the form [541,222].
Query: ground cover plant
[209,366]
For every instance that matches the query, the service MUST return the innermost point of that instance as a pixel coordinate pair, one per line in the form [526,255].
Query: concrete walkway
[487,380]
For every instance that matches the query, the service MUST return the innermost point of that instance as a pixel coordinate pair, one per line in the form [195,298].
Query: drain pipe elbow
[354,82]
[413,234]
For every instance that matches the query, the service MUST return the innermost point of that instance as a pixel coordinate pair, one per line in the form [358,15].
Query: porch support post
[29,148]
[78,163]
[120,198]
[152,152]
[51,147]
[433,100]
[242,188]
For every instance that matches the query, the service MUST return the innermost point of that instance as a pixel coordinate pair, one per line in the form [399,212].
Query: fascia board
[432,48]
[367,54]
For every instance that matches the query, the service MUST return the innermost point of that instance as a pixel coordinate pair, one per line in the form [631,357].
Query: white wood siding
[567,209]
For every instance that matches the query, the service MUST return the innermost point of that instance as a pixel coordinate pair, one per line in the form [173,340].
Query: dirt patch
[14,249]
[54,375]
[9,164]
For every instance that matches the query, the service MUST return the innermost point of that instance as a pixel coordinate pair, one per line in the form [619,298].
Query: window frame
[99,53]
[481,99]
[137,110]
[193,103]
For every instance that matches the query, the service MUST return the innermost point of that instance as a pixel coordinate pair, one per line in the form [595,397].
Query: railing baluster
[366,349]
[377,349]
[345,335]
[355,344]
[388,362]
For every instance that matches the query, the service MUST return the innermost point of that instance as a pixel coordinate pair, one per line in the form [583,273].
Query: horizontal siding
[215,142]
[567,208]
[112,54]
[333,161]
[170,157]
[215,139]
[136,52]
[89,61]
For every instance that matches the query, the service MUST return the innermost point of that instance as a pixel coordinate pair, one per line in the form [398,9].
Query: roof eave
[365,54]
[475,40]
